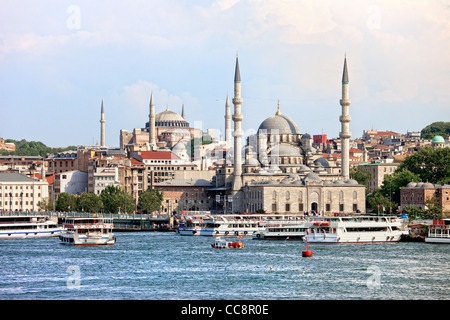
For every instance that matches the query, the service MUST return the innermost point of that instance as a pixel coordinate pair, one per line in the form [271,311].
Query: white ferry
[87,231]
[355,229]
[24,227]
[284,230]
[439,232]
[230,224]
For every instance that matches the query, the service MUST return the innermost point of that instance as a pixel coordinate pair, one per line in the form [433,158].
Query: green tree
[377,201]
[361,175]
[89,202]
[432,165]
[32,148]
[45,205]
[399,179]
[414,212]
[113,197]
[150,200]
[436,128]
[66,202]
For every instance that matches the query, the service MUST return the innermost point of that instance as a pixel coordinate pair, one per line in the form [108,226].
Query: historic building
[21,193]
[417,194]
[163,130]
[280,171]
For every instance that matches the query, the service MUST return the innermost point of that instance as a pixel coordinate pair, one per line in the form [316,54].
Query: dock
[122,221]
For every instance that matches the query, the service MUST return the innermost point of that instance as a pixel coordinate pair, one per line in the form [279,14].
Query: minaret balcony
[345,118]
[238,117]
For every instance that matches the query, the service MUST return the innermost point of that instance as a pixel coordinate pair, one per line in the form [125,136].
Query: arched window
[288,195]
[274,195]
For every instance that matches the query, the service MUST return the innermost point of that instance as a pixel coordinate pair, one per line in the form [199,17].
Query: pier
[122,221]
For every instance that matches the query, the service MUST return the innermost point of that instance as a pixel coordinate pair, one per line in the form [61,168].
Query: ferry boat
[30,226]
[355,229]
[230,224]
[439,232]
[221,243]
[87,231]
[287,230]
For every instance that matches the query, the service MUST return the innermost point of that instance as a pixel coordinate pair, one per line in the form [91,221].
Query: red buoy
[307,252]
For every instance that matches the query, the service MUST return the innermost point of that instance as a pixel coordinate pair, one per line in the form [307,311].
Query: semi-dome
[323,162]
[312,177]
[284,150]
[282,123]
[351,182]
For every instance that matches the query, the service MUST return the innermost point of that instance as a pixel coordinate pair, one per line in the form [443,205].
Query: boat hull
[355,238]
[30,234]
[437,240]
[265,236]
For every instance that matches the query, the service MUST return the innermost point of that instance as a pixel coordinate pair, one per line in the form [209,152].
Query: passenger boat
[221,243]
[287,230]
[230,224]
[29,226]
[439,232]
[355,229]
[87,231]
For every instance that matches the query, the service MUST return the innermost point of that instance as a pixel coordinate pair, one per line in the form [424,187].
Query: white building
[105,177]
[71,182]
[21,193]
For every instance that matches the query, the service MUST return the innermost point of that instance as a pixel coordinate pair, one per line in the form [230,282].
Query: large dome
[283,124]
[168,116]
[169,119]
[438,139]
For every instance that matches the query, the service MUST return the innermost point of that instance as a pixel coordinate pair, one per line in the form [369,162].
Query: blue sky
[58,59]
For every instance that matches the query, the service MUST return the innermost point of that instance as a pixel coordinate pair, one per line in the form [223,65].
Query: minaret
[151,128]
[345,119]
[102,127]
[182,112]
[237,119]
[228,122]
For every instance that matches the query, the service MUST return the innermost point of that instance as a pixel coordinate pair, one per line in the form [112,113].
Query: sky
[60,59]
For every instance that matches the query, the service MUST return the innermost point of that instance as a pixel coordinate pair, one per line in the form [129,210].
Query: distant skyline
[59,59]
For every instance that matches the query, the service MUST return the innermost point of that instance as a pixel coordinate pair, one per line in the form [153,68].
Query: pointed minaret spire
[182,112]
[102,126]
[237,73]
[152,117]
[238,134]
[345,119]
[345,73]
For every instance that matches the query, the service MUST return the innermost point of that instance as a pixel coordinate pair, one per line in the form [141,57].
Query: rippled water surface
[150,265]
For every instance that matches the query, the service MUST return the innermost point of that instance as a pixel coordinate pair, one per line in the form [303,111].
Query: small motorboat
[221,243]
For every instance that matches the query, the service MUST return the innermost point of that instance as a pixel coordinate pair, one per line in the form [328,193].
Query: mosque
[168,128]
[279,170]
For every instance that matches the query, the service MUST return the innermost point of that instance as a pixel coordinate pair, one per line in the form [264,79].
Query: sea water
[167,266]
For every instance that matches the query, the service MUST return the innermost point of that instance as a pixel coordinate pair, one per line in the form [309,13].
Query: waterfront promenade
[122,221]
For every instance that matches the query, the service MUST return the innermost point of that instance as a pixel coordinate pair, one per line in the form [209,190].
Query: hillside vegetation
[32,148]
